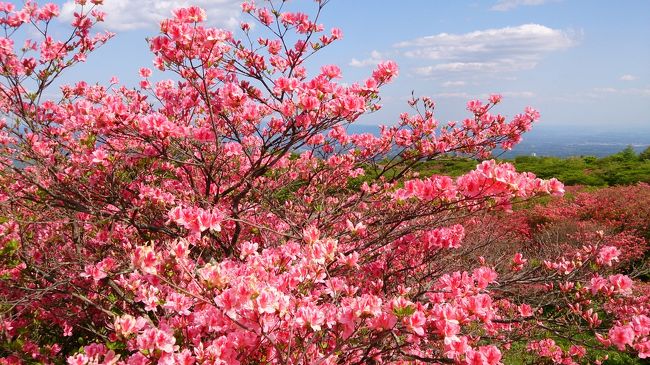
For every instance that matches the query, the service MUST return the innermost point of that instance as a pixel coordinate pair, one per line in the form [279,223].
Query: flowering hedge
[213,219]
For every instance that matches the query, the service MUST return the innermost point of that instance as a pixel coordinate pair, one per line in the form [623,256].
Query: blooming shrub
[214,219]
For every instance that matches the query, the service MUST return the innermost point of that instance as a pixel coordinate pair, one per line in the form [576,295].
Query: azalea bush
[588,231]
[217,218]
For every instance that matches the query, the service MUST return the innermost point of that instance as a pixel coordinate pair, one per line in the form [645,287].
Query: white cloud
[600,93]
[453,83]
[518,94]
[475,67]
[122,15]
[374,59]
[505,5]
[491,50]
[483,96]
[457,95]
[628,78]
[604,91]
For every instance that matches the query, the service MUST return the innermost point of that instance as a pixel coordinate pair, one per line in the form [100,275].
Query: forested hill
[622,168]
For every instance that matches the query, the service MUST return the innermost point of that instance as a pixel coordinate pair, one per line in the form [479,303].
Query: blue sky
[582,63]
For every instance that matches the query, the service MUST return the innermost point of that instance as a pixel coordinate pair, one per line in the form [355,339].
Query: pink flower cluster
[196,220]
[226,215]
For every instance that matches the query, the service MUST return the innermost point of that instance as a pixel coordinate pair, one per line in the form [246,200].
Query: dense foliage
[617,217]
[623,168]
[219,219]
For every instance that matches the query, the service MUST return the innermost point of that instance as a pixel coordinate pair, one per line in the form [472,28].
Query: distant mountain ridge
[545,140]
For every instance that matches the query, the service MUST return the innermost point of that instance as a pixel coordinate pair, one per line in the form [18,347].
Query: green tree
[645,155]
[628,154]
